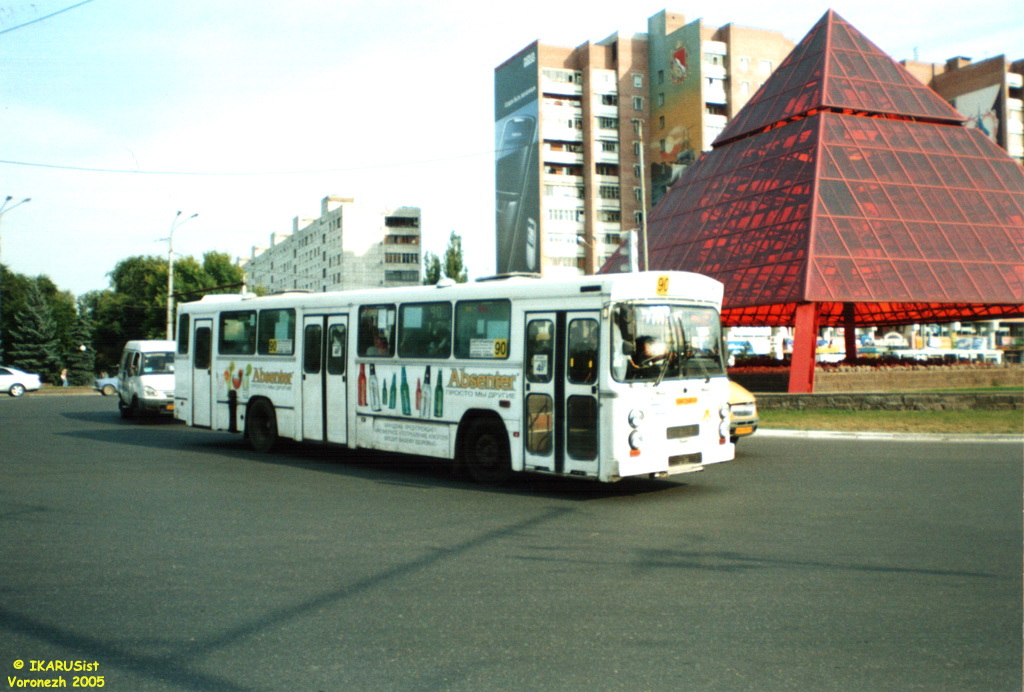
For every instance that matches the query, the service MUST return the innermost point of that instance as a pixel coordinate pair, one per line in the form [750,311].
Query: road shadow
[163,433]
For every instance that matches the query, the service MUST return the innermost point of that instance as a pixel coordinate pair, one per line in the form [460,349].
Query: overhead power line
[349,169]
[40,19]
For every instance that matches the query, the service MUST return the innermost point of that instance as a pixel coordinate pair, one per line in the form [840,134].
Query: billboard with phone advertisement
[517,173]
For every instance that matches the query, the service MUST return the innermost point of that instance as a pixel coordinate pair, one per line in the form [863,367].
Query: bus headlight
[636,417]
[723,410]
[636,438]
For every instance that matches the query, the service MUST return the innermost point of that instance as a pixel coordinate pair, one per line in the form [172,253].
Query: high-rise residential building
[589,138]
[348,246]
[989,93]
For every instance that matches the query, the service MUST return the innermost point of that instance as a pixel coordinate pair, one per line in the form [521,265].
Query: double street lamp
[178,221]
[3,210]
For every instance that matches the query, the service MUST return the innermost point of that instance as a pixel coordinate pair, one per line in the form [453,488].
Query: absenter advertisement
[516,163]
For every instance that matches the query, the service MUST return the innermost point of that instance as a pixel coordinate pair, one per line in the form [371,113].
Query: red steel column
[805,345]
[850,330]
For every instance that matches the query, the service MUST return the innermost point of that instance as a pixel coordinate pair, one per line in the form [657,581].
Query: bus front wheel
[486,452]
[262,426]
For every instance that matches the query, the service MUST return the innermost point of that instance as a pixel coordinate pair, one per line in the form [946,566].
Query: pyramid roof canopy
[903,213]
[835,67]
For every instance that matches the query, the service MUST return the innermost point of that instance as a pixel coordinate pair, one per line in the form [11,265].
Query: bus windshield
[656,342]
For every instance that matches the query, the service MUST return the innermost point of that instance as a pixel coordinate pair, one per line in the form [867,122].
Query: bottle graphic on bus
[362,384]
[406,404]
[374,389]
[428,399]
[439,397]
[393,402]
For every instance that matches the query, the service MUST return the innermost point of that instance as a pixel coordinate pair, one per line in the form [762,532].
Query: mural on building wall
[517,176]
[981,108]
[676,125]
[679,70]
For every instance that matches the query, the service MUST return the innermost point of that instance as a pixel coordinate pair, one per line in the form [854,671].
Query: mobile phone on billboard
[517,251]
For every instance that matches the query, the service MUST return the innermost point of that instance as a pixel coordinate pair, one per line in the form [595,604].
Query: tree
[81,359]
[34,345]
[15,288]
[431,269]
[135,306]
[453,265]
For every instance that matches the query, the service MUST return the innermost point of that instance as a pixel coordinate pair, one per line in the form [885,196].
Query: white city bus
[601,377]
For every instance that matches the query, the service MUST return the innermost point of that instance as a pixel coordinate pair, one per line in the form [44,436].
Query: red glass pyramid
[846,182]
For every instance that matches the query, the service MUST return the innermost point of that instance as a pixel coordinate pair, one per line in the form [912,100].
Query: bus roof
[651,285]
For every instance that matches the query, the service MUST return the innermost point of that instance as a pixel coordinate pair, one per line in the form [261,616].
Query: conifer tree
[81,360]
[34,346]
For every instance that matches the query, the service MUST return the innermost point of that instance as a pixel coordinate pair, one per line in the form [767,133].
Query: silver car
[16,382]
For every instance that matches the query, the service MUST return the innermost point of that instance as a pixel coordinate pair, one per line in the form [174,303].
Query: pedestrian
[64,377]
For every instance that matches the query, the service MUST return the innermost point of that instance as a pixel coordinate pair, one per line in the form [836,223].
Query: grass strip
[945,422]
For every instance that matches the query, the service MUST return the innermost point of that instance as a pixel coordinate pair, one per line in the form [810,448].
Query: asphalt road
[178,559]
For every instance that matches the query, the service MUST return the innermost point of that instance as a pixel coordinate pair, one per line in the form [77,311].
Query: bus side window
[376,330]
[183,334]
[583,351]
[425,330]
[540,349]
[276,332]
[311,355]
[237,333]
[204,349]
[482,329]
[336,349]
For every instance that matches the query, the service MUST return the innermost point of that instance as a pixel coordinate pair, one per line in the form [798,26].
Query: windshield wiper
[664,369]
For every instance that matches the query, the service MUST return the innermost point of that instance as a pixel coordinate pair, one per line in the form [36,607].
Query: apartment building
[989,93]
[348,246]
[590,138]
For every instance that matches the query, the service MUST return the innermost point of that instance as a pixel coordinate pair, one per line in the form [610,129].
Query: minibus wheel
[486,452]
[261,425]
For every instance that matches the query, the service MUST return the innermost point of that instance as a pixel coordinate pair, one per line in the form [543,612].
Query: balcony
[715,93]
[560,130]
[559,88]
[562,156]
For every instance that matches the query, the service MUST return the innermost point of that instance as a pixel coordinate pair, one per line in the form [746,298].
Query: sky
[117,114]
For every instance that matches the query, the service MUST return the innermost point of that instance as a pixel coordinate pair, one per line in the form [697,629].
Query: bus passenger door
[335,388]
[324,397]
[313,378]
[560,405]
[202,368]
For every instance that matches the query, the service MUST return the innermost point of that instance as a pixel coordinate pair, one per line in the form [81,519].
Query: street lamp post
[178,221]
[3,210]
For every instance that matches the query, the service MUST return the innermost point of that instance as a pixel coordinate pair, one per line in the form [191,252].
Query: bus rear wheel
[261,424]
[486,452]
